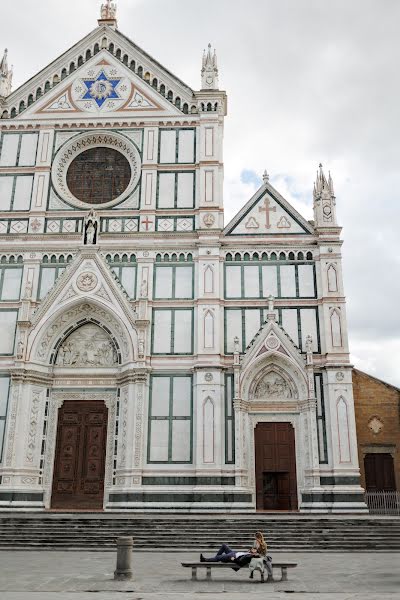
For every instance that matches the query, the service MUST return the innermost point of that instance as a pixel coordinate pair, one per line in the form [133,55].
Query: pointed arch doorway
[275,466]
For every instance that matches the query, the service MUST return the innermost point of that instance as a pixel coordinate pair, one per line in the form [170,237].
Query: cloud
[249,176]
[307,82]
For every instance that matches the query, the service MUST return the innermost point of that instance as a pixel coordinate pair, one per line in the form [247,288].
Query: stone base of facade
[21,500]
[336,500]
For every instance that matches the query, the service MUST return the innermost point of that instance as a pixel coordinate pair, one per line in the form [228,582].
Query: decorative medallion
[101,88]
[209,220]
[375,425]
[86,281]
[339,376]
[208,377]
[272,343]
[109,163]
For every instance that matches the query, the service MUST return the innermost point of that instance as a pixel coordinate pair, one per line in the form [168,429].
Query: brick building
[377,409]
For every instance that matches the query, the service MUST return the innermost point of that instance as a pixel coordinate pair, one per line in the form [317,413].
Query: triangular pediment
[88,277]
[268,213]
[102,86]
[271,338]
[143,83]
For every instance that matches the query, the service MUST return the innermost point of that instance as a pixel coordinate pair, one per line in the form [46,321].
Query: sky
[308,81]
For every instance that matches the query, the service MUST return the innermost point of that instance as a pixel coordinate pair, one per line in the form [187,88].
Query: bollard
[124,559]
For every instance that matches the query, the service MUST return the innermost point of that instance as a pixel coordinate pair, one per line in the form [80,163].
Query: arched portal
[275,424]
[84,346]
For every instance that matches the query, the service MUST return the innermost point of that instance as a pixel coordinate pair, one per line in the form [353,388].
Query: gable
[103,85]
[266,213]
[152,78]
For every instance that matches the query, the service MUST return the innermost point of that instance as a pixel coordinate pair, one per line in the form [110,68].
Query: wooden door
[276,485]
[379,473]
[78,481]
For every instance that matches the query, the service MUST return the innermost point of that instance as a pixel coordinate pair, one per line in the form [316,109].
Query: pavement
[75,575]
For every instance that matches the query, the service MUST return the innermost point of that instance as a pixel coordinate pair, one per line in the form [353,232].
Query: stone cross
[267,209]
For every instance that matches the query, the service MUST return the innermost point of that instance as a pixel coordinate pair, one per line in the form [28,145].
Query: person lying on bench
[227,555]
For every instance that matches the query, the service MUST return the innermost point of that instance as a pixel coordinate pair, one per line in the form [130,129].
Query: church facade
[150,358]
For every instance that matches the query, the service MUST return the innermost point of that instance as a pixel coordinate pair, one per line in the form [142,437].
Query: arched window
[118,54]
[185,108]
[64,73]
[80,61]
[88,55]
[96,49]
[162,89]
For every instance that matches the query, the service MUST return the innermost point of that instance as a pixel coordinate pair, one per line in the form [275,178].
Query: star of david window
[98,175]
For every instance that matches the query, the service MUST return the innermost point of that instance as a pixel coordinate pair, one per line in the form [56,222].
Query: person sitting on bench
[226,554]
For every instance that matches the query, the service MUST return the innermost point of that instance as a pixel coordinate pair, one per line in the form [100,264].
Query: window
[16,192]
[229,421]
[48,276]
[177,146]
[18,150]
[10,283]
[4,391]
[242,323]
[173,282]
[126,274]
[170,419]
[8,325]
[321,422]
[172,331]
[245,322]
[262,280]
[176,190]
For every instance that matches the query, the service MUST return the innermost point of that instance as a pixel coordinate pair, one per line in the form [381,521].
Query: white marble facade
[191,333]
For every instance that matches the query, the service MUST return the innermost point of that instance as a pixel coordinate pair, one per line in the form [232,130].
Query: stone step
[289,534]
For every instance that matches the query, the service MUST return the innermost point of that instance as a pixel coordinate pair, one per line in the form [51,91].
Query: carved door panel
[79,464]
[276,484]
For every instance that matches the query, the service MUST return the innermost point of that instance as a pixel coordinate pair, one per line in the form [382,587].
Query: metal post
[124,558]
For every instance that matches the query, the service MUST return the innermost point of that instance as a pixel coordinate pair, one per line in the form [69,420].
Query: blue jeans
[224,554]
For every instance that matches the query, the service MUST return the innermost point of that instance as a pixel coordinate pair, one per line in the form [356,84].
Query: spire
[324,200]
[265,176]
[108,14]
[5,76]
[209,71]
[4,64]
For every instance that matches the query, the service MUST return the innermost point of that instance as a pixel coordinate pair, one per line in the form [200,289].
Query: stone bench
[283,566]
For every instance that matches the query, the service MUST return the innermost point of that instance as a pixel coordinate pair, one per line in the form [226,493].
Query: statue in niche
[273,385]
[143,289]
[88,346]
[91,229]
[309,343]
